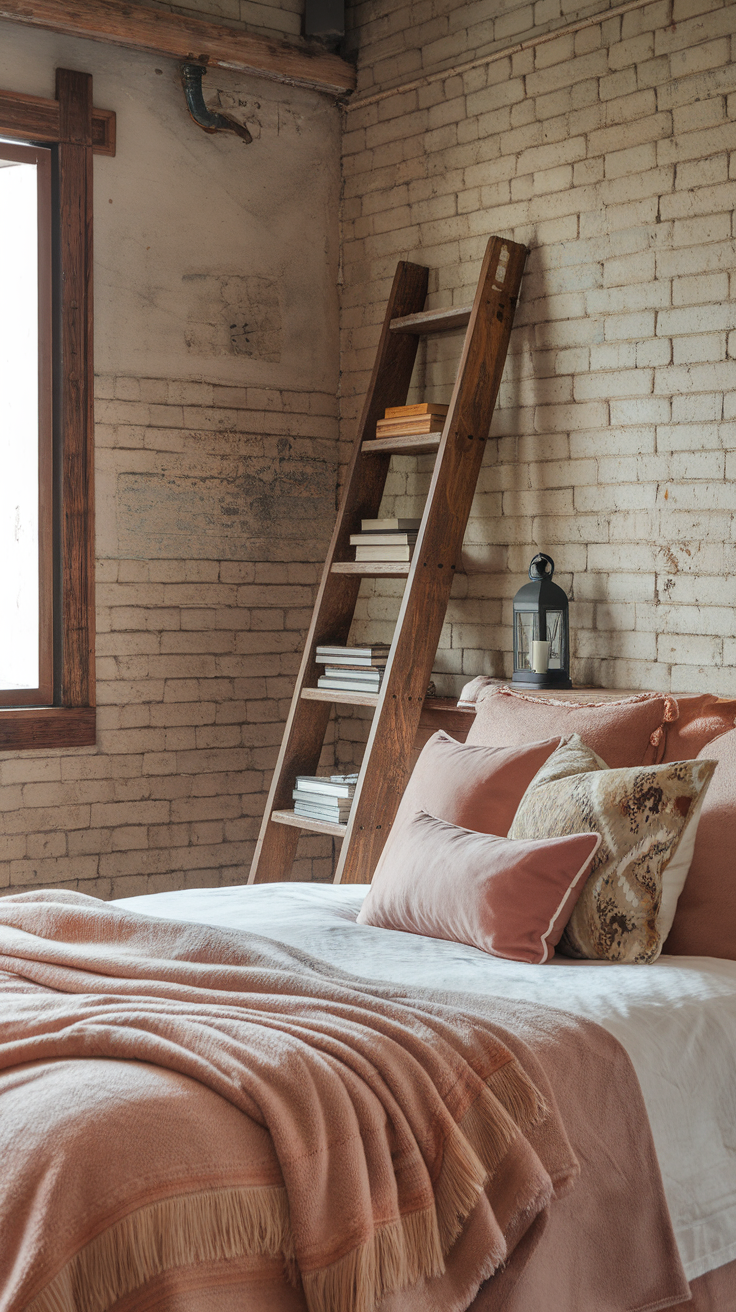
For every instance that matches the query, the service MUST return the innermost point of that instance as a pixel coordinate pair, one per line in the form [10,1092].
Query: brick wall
[609,151]
[216,458]
[214,509]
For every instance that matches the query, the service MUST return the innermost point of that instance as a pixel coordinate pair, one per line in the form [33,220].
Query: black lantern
[541,630]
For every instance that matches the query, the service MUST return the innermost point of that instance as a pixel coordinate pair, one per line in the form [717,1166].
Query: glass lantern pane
[555,639]
[527,631]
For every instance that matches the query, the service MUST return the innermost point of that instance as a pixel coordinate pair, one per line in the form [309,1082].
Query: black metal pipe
[207,119]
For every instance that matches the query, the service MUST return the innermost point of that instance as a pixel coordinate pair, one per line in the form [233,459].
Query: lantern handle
[538,568]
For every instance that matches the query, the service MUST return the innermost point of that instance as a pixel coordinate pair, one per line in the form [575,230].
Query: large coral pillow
[705,920]
[476,787]
[509,899]
[624,733]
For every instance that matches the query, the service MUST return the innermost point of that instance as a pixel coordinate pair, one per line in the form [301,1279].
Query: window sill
[35,728]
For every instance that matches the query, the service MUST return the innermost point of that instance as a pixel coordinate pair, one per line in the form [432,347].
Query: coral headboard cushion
[700,718]
[705,920]
[625,733]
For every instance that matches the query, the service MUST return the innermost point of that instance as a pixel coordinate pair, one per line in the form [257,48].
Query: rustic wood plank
[394,726]
[433,321]
[333,612]
[55,726]
[422,444]
[306,822]
[340,695]
[76,418]
[191,39]
[34,119]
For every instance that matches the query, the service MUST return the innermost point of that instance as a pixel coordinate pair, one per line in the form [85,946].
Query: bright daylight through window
[25,423]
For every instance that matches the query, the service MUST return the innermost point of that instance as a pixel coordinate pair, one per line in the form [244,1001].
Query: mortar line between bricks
[493,58]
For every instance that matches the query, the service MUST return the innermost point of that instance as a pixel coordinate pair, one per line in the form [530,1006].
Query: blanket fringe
[203,1227]
[516,1092]
[229,1223]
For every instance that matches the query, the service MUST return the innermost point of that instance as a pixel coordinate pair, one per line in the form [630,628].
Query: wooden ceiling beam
[192,40]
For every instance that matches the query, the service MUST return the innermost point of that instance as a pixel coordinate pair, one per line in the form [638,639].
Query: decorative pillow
[509,899]
[641,814]
[476,787]
[699,720]
[629,732]
[705,919]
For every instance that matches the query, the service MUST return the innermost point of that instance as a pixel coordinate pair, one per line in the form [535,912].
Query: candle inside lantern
[540,657]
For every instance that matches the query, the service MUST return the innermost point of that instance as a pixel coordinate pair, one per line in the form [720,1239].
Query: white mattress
[676,1020]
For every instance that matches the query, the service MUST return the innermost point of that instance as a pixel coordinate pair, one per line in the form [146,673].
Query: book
[327,813]
[339,785]
[382,539]
[408,427]
[387,554]
[363,675]
[423,408]
[390,525]
[355,653]
[346,684]
[350,662]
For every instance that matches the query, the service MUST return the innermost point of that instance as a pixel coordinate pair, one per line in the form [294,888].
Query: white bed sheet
[676,1020]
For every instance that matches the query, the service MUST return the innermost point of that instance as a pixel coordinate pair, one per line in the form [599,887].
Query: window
[46,416]
[26,527]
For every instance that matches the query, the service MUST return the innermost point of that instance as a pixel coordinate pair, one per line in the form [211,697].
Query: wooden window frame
[70,125]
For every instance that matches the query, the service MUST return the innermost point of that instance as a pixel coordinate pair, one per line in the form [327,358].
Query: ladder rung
[433,321]
[305,822]
[402,446]
[348,697]
[373,569]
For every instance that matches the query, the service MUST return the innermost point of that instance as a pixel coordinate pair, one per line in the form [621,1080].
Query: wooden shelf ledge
[347,697]
[418,445]
[373,569]
[305,822]
[433,321]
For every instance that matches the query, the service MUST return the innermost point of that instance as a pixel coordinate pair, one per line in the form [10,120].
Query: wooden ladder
[459,449]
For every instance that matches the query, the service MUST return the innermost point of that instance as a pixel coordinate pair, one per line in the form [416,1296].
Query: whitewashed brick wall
[611,152]
[214,509]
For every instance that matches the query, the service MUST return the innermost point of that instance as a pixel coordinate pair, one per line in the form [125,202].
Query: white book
[346,672]
[367,663]
[347,685]
[359,653]
[390,525]
[316,802]
[341,786]
[320,813]
[384,553]
[382,539]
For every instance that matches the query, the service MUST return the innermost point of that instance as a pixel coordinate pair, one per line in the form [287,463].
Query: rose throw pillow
[509,899]
[642,814]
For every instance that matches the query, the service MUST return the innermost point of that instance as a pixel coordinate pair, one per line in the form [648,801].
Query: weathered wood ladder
[429,576]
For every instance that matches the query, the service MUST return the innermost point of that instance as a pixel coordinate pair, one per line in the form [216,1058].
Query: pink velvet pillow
[476,787]
[699,720]
[511,899]
[625,733]
[705,919]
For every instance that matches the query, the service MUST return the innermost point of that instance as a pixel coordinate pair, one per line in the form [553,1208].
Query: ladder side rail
[385,765]
[337,594]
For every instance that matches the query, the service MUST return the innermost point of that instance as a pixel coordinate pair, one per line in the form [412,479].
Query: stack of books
[412,420]
[353,669]
[324,797]
[385,539]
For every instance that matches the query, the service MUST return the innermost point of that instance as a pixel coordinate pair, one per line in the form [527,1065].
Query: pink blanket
[370,1145]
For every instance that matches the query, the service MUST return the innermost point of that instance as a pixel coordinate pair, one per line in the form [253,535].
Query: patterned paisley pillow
[642,814]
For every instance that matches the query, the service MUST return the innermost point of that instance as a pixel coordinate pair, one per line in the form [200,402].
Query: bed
[603,1037]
